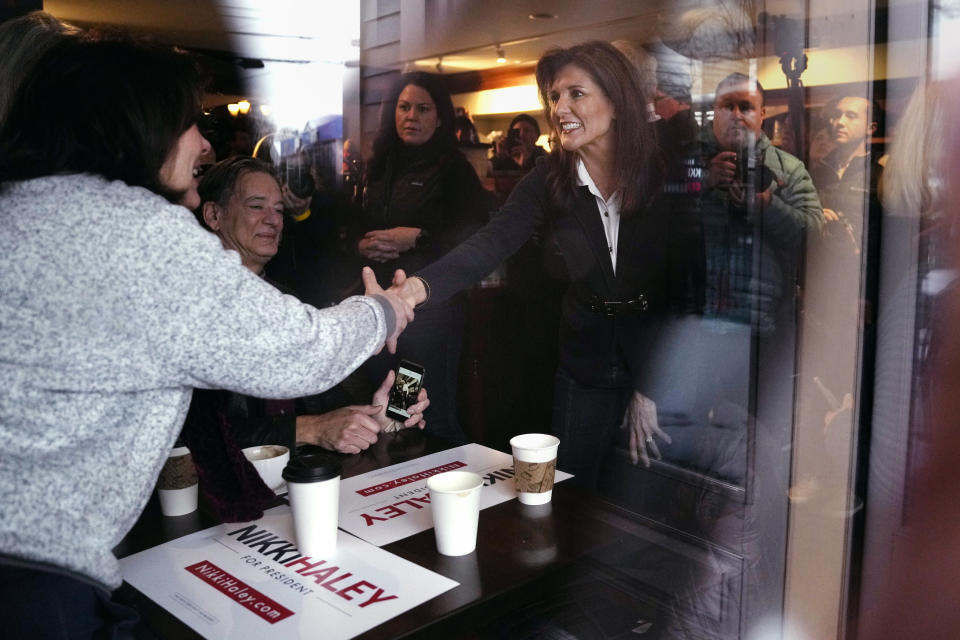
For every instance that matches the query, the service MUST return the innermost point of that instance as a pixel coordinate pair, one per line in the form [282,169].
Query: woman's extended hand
[413,291]
[383,245]
[381,397]
[641,418]
[402,310]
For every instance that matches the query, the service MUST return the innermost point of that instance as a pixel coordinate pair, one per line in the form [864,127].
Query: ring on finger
[649,438]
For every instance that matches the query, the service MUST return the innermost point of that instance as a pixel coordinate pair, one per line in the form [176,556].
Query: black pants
[587,421]
[41,605]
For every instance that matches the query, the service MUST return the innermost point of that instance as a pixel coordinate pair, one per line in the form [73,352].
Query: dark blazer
[596,349]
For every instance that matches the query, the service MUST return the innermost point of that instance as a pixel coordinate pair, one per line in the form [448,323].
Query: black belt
[616,307]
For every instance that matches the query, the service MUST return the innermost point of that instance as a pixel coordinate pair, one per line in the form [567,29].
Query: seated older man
[241,203]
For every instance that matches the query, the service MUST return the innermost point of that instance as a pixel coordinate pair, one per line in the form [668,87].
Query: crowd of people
[139,304]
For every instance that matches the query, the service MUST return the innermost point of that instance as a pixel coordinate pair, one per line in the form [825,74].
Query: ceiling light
[542,16]
[501,55]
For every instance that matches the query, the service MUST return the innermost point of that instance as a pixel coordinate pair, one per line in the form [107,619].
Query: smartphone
[406,387]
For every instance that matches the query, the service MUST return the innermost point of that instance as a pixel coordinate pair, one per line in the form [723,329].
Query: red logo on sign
[240,592]
[399,482]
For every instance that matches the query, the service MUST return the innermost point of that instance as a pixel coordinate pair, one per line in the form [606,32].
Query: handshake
[403,295]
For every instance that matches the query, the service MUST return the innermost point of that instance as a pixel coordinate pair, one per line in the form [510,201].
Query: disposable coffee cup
[269,461]
[177,484]
[313,489]
[534,466]
[455,502]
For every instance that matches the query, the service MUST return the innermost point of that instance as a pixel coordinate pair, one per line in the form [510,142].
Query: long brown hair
[637,167]
[444,141]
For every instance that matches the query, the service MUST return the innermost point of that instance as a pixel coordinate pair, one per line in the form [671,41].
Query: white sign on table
[392,503]
[249,581]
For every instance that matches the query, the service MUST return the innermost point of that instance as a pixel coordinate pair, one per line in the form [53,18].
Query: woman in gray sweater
[114,305]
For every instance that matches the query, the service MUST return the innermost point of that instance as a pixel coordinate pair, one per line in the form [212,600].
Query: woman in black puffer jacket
[420,200]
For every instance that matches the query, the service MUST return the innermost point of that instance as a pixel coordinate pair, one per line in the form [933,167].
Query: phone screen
[405,388]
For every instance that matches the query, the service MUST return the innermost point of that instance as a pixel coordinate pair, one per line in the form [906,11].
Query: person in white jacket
[114,305]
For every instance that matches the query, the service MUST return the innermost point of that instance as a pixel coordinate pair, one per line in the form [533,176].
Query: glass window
[741,351]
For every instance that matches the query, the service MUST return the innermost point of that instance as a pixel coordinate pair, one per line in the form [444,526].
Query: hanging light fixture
[501,55]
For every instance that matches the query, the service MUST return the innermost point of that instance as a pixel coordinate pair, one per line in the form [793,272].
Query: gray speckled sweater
[114,304]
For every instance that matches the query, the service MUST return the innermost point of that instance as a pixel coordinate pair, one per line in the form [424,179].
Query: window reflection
[810,254]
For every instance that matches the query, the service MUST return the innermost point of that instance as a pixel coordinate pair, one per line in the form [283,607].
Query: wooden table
[521,550]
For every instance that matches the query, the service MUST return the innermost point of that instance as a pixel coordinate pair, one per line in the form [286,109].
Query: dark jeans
[433,340]
[587,421]
[42,605]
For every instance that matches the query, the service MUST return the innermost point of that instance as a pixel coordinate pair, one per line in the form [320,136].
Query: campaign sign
[392,503]
[249,581]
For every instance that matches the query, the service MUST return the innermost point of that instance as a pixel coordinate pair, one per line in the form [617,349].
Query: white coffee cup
[534,465]
[455,502]
[177,486]
[269,461]
[313,489]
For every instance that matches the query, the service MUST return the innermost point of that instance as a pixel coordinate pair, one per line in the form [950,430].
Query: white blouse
[609,211]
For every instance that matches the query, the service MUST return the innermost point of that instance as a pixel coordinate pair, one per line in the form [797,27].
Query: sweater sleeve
[482,252]
[221,326]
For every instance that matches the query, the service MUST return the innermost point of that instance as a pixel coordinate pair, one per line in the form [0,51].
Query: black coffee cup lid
[312,467]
